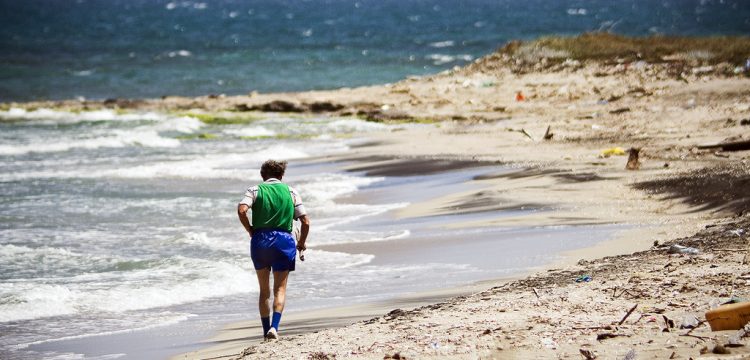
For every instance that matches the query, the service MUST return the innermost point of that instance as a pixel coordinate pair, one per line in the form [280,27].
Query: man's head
[272,169]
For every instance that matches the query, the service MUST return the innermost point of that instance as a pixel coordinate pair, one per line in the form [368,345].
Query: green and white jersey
[267,193]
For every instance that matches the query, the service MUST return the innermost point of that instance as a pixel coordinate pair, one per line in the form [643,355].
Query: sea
[115,224]
[97,49]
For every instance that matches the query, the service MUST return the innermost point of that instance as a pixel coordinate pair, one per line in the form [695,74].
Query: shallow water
[113,224]
[113,221]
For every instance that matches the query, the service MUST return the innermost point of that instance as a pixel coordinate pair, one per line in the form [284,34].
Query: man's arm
[242,212]
[304,230]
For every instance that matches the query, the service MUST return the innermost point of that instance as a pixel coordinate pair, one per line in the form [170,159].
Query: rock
[394,356]
[324,106]
[720,349]
[383,115]
[631,355]
[121,103]
[588,354]
[279,106]
[242,107]
[396,313]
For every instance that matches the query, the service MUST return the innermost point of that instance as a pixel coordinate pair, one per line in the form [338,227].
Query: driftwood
[523,131]
[633,163]
[628,314]
[728,146]
[548,134]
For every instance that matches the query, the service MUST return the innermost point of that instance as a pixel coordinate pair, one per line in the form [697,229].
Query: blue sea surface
[61,49]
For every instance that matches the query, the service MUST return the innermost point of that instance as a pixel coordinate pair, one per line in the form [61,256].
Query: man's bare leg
[264,298]
[279,298]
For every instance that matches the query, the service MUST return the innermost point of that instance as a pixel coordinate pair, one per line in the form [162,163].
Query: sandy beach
[563,127]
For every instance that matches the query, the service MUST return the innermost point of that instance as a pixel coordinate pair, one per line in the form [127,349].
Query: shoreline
[236,336]
[681,192]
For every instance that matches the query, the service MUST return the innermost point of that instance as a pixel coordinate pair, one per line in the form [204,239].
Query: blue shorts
[273,248]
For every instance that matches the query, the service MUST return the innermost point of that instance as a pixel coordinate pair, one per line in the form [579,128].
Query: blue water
[55,49]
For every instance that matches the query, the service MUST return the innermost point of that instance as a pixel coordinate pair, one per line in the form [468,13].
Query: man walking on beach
[274,206]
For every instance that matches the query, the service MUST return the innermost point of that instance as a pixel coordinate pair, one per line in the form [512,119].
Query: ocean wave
[253,131]
[116,139]
[98,136]
[443,44]
[176,280]
[325,187]
[347,217]
[321,260]
[169,281]
[50,115]
[577,11]
[441,59]
[349,237]
[165,318]
[238,245]
[220,166]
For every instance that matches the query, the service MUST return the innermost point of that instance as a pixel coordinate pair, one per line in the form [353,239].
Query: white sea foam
[67,116]
[442,44]
[147,135]
[20,302]
[158,320]
[219,166]
[352,126]
[238,245]
[441,59]
[177,280]
[254,131]
[347,237]
[577,11]
[335,260]
[117,138]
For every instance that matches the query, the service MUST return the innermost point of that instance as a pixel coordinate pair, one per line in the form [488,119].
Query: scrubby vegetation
[655,49]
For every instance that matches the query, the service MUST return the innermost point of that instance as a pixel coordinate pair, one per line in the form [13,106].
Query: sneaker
[272,334]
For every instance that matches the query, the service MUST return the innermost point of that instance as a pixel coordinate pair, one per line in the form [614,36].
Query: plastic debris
[583,278]
[519,96]
[549,343]
[689,321]
[679,249]
[618,151]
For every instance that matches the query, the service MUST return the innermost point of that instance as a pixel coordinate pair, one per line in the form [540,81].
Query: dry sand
[677,192]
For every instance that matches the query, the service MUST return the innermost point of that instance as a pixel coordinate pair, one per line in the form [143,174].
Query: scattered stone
[720,349]
[384,115]
[319,355]
[242,107]
[394,356]
[630,355]
[620,110]
[588,354]
[324,106]
[396,313]
[278,106]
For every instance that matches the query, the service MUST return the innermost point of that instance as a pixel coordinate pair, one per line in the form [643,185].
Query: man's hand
[242,213]
[304,230]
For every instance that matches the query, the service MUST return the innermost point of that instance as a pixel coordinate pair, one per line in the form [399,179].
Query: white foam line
[176,320]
